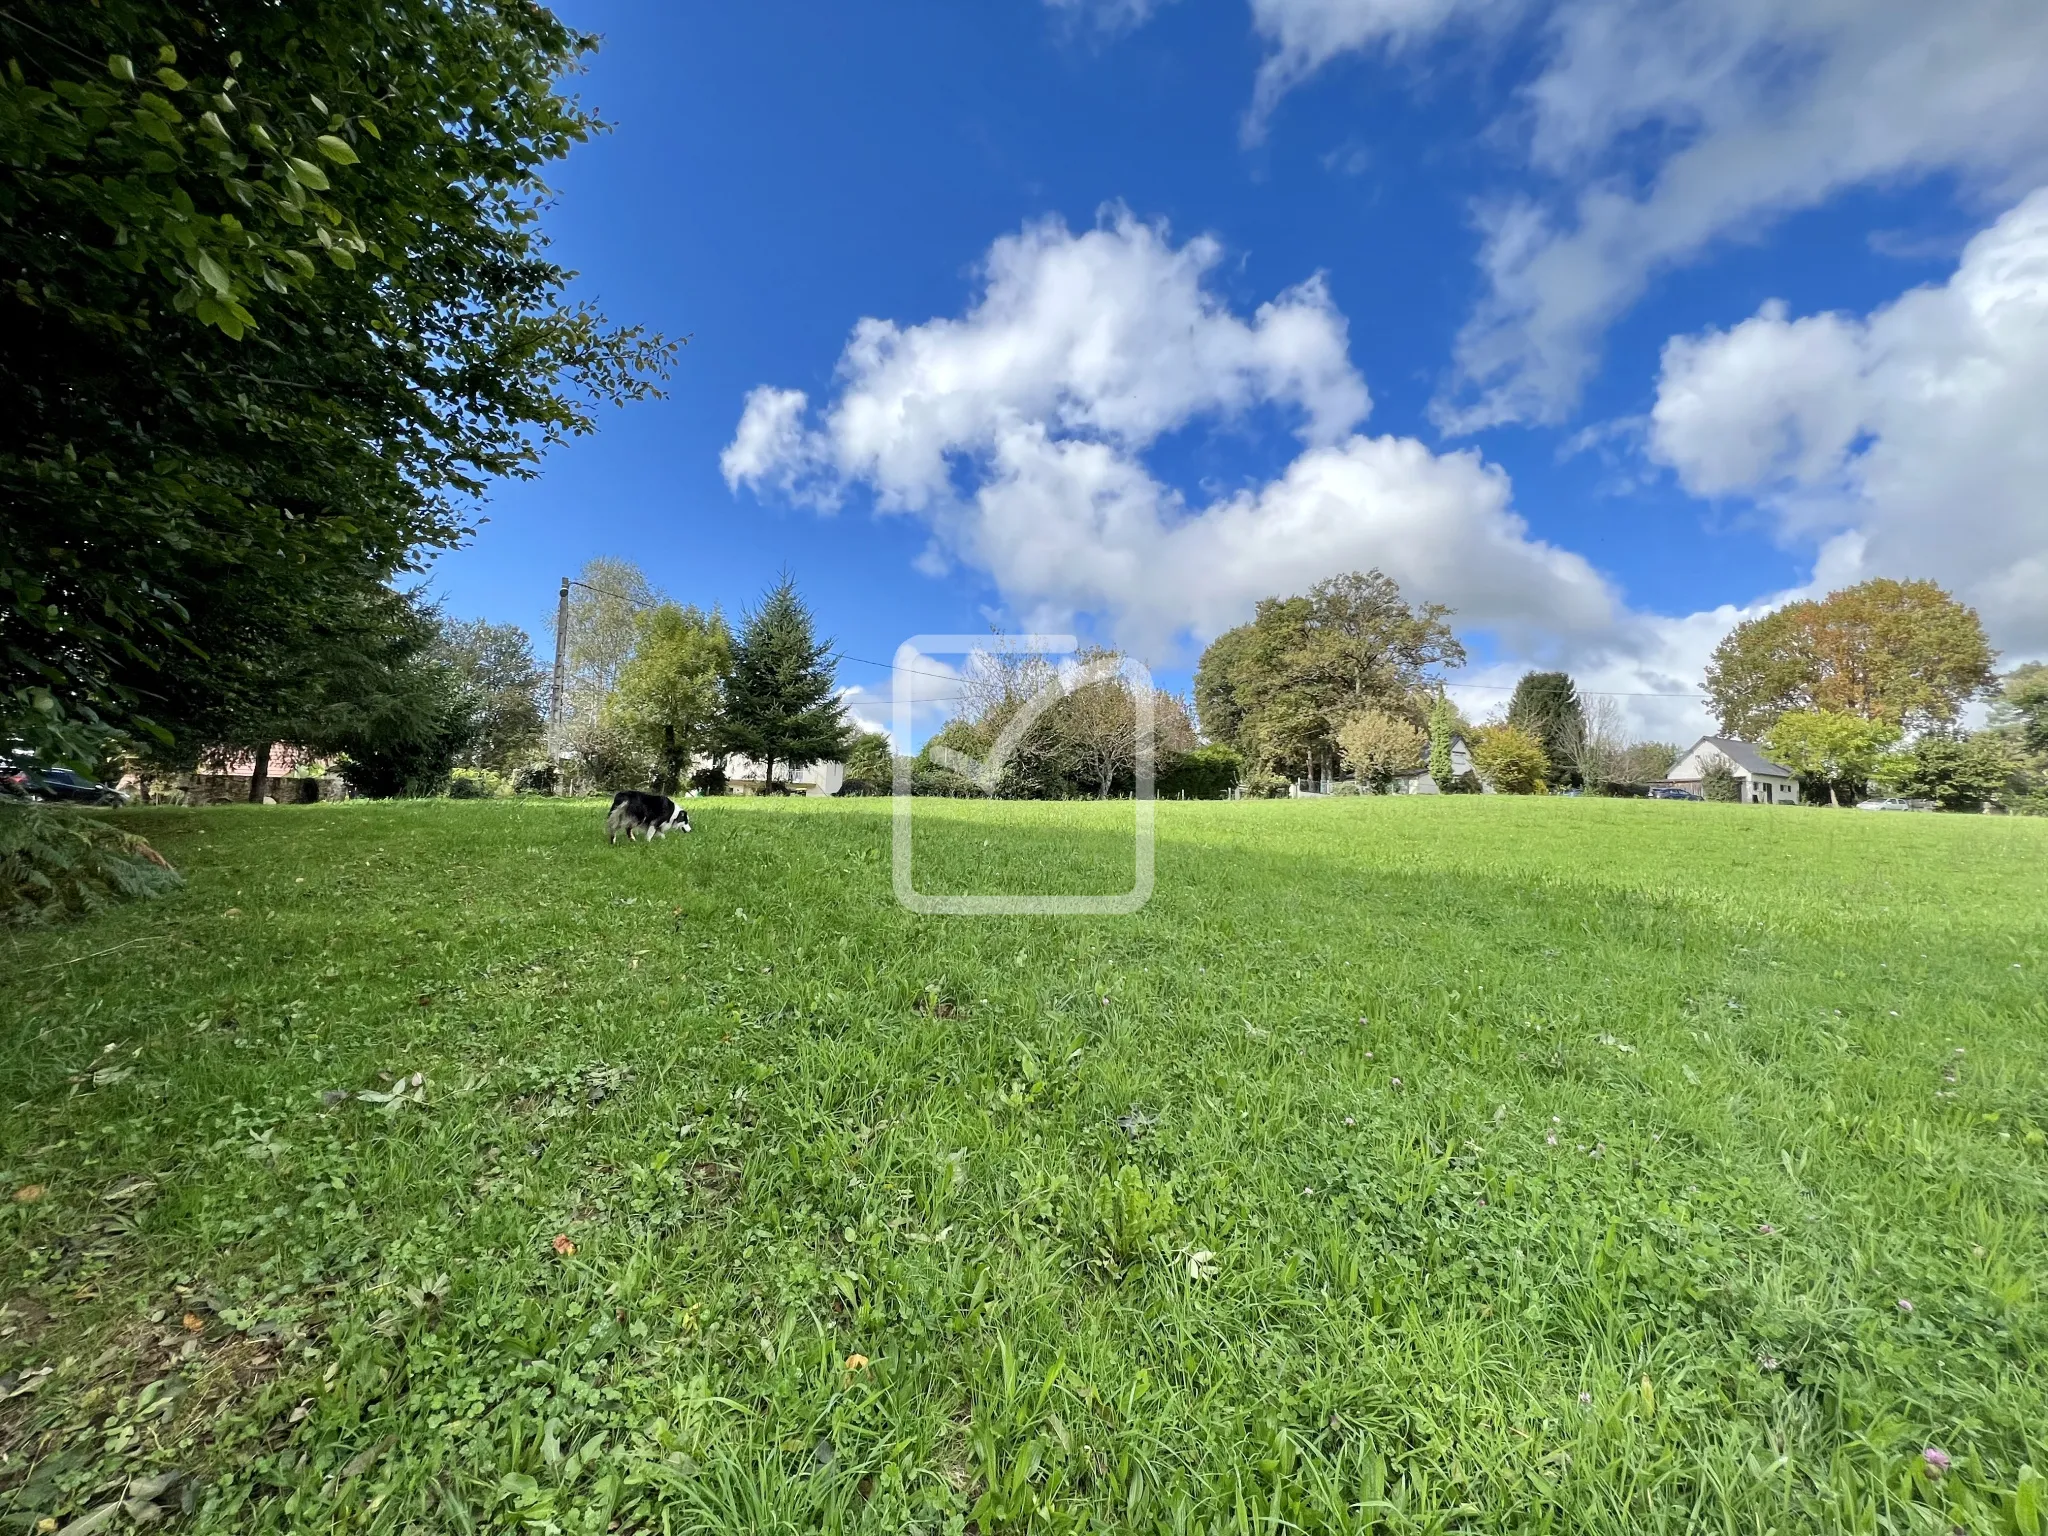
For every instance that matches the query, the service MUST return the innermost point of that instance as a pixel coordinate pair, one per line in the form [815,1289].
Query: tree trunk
[768,775]
[1833,799]
[259,776]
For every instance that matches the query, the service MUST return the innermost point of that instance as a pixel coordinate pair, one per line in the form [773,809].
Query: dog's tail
[616,820]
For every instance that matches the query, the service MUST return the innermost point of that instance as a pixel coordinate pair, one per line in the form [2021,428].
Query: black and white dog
[634,811]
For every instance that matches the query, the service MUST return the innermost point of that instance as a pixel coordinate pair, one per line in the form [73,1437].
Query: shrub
[858,788]
[709,781]
[1347,787]
[64,863]
[1381,747]
[1511,759]
[1466,783]
[1719,783]
[1203,773]
[942,781]
[477,784]
[1266,786]
[535,779]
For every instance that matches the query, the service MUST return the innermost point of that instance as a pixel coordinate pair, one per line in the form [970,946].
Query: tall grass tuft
[56,864]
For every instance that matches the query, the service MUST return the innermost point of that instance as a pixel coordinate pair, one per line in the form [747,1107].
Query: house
[1763,782]
[744,776]
[1422,784]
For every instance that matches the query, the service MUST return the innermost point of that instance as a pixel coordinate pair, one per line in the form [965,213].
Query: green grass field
[1406,1165]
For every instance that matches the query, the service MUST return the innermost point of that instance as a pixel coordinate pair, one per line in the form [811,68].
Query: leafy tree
[1546,705]
[669,692]
[1442,724]
[1510,759]
[1958,773]
[1379,747]
[1642,761]
[606,602]
[494,664]
[390,705]
[1278,688]
[781,702]
[1830,749]
[871,759]
[277,309]
[2022,708]
[1902,652]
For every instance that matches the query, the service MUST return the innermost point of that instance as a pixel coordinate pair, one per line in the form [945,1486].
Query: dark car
[26,780]
[1671,792]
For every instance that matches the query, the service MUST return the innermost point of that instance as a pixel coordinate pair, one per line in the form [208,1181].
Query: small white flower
[1585,1399]
[1905,1306]
[1349,1121]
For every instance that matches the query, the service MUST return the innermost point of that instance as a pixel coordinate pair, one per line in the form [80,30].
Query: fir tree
[782,705]
[1440,744]
[1546,705]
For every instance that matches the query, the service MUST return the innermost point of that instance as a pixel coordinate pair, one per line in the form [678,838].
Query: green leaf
[167,54]
[306,173]
[336,149]
[212,123]
[173,79]
[121,67]
[216,276]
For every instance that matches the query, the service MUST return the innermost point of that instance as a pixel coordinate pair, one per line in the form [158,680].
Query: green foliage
[670,690]
[709,780]
[1442,725]
[478,784]
[495,667]
[1720,783]
[277,309]
[62,863]
[782,703]
[1200,773]
[1957,773]
[1510,759]
[1129,1216]
[1546,705]
[1263,785]
[1278,689]
[1675,1096]
[2022,707]
[606,602]
[1905,653]
[1642,762]
[871,758]
[1380,747]
[1830,751]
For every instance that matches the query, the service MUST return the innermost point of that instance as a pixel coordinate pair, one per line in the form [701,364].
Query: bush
[535,779]
[1347,787]
[944,782]
[1719,783]
[855,788]
[1466,783]
[709,781]
[1204,773]
[477,784]
[64,863]
[1511,759]
[1266,786]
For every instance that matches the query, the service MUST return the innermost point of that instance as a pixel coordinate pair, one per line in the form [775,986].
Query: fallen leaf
[28,1194]
[563,1246]
[856,1362]
[194,1323]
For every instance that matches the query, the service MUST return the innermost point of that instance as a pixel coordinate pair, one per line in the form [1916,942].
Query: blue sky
[1664,311]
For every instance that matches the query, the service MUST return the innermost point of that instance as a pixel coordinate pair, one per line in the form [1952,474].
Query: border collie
[635,811]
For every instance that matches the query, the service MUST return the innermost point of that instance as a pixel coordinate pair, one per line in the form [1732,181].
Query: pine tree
[1546,705]
[782,704]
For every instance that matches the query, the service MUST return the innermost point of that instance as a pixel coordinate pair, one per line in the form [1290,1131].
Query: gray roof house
[1763,781]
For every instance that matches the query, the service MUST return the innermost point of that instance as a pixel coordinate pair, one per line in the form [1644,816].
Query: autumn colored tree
[1904,652]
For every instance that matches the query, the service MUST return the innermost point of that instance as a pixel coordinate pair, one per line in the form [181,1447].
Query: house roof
[1743,755]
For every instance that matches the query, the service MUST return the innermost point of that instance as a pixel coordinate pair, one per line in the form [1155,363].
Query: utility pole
[561,657]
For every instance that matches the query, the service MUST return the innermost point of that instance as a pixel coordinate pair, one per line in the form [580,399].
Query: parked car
[1671,792]
[1895,805]
[25,780]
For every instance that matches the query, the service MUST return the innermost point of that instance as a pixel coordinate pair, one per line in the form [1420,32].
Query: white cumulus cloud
[1909,442]
[1658,128]
[1017,434]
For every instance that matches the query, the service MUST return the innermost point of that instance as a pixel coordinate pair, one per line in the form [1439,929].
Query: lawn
[1410,1165]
